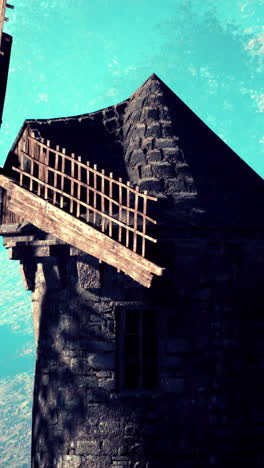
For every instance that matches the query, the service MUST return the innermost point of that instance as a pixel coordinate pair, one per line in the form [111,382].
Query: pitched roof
[155,140]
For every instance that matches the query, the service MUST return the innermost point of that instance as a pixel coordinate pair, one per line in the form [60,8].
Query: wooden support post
[55,174]
[72,182]
[135,220]
[120,209]
[78,187]
[46,171]
[22,164]
[95,187]
[144,222]
[31,173]
[102,199]
[62,177]
[40,169]
[110,204]
[127,213]
[88,191]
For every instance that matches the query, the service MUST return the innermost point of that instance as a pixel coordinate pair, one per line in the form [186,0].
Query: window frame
[120,352]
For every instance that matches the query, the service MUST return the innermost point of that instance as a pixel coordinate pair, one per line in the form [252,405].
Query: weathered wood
[93,170]
[56,174]
[78,187]
[144,223]
[95,193]
[55,221]
[88,192]
[96,211]
[127,214]
[103,199]
[75,232]
[120,210]
[135,222]
[72,182]
[92,189]
[113,220]
[110,203]
[62,175]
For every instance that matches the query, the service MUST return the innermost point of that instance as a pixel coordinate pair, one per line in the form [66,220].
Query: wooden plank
[40,167]
[95,193]
[87,192]
[116,221]
[72,181]
[44,221]
[56,164]
[120,209]
[98,192]
[135,223]
[78,187]
[92,170]
[103,199]
[110,203]
[127,214]
[145,200]
[61,221]
[62,175]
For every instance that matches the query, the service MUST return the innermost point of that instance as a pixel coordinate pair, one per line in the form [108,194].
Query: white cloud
[112,92]
[42,97]
[256,45]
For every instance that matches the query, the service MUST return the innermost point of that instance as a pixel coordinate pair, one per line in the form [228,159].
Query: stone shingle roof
[155,140]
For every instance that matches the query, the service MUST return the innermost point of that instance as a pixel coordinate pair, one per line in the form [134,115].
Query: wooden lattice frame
[119,206]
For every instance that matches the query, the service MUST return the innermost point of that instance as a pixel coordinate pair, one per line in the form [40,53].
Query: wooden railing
[116,208]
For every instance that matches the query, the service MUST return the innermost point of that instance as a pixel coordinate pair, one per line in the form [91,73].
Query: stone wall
[207,410]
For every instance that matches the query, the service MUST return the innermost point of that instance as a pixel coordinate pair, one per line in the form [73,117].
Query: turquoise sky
[76,56]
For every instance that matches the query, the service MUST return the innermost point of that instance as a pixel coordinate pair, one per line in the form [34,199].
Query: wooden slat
[135,223]
[92,170]
[40,167]
[110,203]
[78,187]
[47,170]
[145,200]
[127,214]
[116,203]
[62,175]
[34,207]
[88,192]
[56,165]
[32,149]
[113,220]
[72,181]
[79,234]
[103,199]
[123,200]
[120,210]
[95,193]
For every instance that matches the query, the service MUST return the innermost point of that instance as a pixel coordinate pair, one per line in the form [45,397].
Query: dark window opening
[138,350]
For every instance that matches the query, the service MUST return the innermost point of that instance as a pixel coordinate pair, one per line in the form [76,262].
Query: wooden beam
[75,232]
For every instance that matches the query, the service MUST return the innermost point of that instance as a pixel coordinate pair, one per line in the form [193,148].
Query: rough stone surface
[207,409]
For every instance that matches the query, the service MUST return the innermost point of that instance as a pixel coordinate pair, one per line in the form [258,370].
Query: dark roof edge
[75,117]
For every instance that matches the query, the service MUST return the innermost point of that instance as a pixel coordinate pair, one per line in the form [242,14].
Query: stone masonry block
[137,157]
[151,184]
[165,143]
[88,447]
[69,461]
[153,130]
[154,155]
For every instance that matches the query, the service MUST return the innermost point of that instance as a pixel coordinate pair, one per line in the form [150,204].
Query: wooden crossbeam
[57,222]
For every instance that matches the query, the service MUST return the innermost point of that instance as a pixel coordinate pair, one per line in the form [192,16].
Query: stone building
[129,376]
